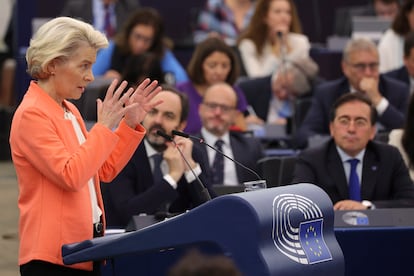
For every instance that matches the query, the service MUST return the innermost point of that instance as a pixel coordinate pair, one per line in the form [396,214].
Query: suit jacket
[317,118]
[134,192]
[258,92]
[400,74]
[53,172]
[384,174]
[82,9]
[246,150]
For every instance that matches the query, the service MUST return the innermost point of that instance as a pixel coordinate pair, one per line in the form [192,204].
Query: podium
[285,230]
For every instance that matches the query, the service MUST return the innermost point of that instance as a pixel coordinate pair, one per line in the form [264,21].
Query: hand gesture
[370,87]
[186,146]
[141,100]
[175,161]
[132,104]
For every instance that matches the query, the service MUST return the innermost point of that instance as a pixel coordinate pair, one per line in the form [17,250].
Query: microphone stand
[201,141]
[203,191]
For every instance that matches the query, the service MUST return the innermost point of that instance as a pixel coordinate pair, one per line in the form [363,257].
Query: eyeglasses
[358,122]
[373,66]
[214,106]
[145,39]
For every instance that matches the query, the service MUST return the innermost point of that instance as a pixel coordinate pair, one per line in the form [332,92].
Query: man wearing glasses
[356,172]
[360,65]
[218,112]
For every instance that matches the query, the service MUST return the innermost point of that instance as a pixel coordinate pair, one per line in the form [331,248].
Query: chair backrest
[277,170]
[302,106]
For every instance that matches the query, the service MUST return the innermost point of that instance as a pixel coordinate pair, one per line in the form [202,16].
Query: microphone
[201,141]
[204,194]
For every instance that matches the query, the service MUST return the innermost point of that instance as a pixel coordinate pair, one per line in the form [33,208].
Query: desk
[384,247]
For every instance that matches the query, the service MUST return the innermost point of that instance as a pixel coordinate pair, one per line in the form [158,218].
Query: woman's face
[216,67]
[279,17]
[141,38]
[70,77]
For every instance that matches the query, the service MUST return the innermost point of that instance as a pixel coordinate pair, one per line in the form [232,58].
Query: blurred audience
[272,37]
[195,263]
[140,67]
[403,138]
[212,61]
[390,46]
[217,112]
[406,72]
[106,16]
[142,32]
[360,64]
[7,61]
[382,8]
[272,97]
[223,18]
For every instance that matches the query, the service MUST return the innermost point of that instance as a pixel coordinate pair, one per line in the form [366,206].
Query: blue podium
[278,231]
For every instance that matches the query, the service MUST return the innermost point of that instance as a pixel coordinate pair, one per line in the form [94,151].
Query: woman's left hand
[140,102]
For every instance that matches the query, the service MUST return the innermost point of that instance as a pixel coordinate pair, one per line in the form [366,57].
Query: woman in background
[390,46]
[213,61]
[273,37]
[142,32]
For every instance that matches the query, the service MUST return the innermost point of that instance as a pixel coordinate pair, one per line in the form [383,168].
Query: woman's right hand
[111,110]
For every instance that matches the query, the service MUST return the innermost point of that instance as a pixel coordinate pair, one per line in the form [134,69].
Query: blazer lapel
[370,170]
[336,171]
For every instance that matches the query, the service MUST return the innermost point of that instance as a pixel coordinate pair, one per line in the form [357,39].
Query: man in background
[356,172]
[217,112]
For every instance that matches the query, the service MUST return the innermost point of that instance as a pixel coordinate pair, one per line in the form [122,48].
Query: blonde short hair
[60,38]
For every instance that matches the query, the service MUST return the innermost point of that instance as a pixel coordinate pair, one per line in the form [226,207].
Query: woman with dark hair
[143,32]
[403,138]
[390,47]
[273,36]
[140,67]
[213,61]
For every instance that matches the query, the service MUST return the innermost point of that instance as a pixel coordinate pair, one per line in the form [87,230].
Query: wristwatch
[368,204]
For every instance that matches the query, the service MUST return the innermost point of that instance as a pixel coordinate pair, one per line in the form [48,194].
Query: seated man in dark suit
[356,172]
[218,112]
[360,66]
[406,72]
[156,179]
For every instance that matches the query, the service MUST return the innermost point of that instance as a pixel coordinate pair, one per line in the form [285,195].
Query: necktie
[218,164]
[109,30]
[354,185]
[157,173]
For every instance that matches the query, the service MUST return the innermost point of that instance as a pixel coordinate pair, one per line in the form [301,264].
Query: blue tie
[354,186]
[218,164]
[157,173]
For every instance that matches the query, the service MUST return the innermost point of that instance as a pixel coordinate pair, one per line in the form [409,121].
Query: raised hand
[141,102]
[133,105]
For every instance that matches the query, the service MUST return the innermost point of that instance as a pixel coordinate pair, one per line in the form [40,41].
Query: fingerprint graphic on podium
[298,229]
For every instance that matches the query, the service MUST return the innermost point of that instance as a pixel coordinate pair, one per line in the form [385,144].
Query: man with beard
[143,187]
[218,112]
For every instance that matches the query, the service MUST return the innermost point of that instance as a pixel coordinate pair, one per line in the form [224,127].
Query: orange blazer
[53,171]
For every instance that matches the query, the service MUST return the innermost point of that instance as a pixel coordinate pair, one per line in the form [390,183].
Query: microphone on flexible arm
[283,51]
[204,194]
[201,141]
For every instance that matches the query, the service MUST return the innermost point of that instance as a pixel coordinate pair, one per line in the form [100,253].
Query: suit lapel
[370,170]
[336,171]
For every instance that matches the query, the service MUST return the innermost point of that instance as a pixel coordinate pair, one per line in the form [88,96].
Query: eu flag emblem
[312,242]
